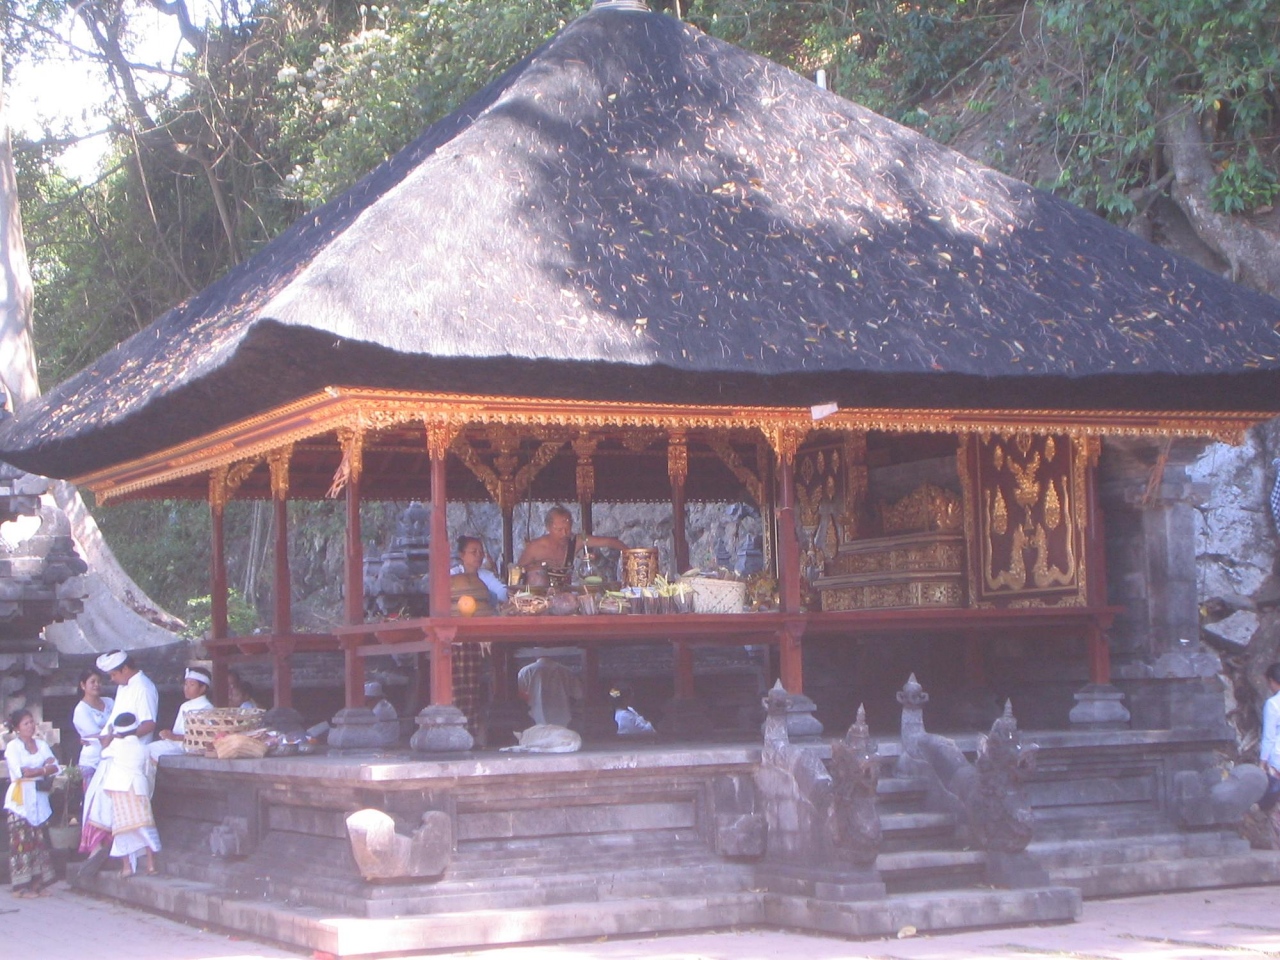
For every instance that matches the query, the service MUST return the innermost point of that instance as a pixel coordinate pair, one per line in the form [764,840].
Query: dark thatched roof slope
[638,211]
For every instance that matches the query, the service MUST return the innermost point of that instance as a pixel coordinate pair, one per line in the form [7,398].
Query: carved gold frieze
[908,554]
[915,593]
[337,408]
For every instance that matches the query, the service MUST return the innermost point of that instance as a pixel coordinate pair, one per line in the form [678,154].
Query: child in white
[127,783]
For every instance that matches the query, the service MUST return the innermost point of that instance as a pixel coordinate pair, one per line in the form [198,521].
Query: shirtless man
[558,546]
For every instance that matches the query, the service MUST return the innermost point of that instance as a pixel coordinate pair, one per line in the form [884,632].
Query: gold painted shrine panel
[1026,520]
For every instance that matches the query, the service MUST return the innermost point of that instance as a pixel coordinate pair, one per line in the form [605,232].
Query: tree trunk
[1254,253]
[117,613]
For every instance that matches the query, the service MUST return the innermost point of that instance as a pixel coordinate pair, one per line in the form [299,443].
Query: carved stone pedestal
[441,729]
[1099,707]
[1015,871]
[354,728]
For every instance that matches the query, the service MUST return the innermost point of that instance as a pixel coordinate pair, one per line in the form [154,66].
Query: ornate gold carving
[278,462]
[729,457]
[337,407]
[902,595]
[224,481]
[677,458]
[505,489]
[351,439]
[928,507]
[584,446]
[1052,507]
[442,428]
[893,555]
[1050,449]
[784,439]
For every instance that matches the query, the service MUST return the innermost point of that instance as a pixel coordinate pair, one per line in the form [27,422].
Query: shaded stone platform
[636,840]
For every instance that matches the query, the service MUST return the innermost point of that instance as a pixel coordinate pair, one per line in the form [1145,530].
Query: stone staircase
[1111,852]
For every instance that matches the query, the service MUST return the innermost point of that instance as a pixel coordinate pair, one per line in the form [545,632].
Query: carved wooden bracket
[351,439]
[730,458]
[584,445]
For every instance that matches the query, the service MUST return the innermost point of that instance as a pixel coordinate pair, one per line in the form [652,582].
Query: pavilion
[645,265]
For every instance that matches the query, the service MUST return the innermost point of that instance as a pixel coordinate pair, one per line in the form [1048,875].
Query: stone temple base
[630,841]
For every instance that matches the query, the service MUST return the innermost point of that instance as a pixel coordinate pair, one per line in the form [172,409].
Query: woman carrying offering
[29,760]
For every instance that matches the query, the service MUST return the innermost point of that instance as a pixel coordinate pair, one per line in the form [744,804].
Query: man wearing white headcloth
[195,687]
[135,693]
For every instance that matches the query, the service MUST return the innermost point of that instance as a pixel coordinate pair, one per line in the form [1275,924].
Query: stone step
[918,870]
[1065,854]
[1157,876]
[916,826]
[317,930]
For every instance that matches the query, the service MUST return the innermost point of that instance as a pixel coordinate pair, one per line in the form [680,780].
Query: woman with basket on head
[127,782]
[31,768]
[195,687]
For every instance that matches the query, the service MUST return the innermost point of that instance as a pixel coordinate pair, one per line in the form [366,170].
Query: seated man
[557,548]
[552,690]
[195,687]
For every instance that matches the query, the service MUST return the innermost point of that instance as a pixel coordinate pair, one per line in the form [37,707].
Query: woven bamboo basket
[203,727]
[717,596]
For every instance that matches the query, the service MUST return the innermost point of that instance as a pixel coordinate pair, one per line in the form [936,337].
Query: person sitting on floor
[195,687]
[552,690]
[630,722]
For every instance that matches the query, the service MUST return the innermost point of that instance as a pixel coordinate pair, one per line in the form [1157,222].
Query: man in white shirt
[552,690]
[135,693]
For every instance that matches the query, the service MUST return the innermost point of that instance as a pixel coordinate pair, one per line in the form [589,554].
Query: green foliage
[242,619]
[1124,66]
[1240,187]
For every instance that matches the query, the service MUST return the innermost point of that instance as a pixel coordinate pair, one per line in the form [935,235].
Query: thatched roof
[639,211]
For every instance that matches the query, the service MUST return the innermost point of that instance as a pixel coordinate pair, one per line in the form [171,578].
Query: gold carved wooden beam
[338,407]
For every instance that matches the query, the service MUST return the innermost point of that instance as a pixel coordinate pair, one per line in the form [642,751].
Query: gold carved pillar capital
[278,463]
[218,489]
[584,445]
[677,458]
[785,439]
[441,431]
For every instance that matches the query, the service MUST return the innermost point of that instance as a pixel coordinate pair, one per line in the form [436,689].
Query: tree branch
[1253,253]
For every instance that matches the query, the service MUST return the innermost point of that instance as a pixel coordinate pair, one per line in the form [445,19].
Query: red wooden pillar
[438,439]
[684,670]
[353,575]
[282,588]
[785,441]
[282,648]
[1098,648]
[584,445]
[218,577]
[678,473]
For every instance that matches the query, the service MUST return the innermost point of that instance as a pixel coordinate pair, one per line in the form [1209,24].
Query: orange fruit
[466,605]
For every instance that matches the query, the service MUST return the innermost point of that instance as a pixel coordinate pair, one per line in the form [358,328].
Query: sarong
[132,826]
[95,820]
[468,672]
[29,857]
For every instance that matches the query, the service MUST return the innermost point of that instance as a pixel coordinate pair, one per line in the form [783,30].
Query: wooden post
[282,612]
[584,445]
[282,670]
[218,548]
[354,578]
[353,672]
[442,665]
[438,570]
[788,542]
[684,670]
[678,473]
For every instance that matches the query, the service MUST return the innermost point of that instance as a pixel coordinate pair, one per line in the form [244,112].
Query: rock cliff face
[1236,553]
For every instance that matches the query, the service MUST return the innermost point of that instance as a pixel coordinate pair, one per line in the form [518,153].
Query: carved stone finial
[855,773]
[912,694]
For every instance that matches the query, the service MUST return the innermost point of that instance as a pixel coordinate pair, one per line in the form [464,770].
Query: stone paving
[1237,924]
